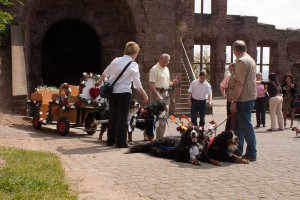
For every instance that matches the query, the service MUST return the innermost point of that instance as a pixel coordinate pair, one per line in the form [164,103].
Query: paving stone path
[99,172]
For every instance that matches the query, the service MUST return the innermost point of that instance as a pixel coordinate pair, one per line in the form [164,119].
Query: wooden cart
[51,107]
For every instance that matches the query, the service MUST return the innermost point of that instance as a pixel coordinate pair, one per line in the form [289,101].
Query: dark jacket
[293,90]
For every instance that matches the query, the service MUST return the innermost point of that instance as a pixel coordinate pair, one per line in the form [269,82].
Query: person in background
[275,102]
[119,102]
[226,88]
[289,92]
[159,83]
[260,102]
[244,95]
[199,93]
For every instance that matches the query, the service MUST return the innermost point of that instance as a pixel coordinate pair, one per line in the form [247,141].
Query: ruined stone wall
[158,26]
[152,24]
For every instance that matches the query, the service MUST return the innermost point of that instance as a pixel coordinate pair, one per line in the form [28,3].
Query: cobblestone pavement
[99,172]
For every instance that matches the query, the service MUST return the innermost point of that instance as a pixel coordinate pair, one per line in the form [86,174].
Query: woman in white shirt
[120,100]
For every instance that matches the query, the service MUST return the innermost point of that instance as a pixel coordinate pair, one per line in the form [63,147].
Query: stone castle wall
[158,26]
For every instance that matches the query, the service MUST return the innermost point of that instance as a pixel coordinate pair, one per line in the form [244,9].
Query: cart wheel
[87,125]
[63,126]
[36,122]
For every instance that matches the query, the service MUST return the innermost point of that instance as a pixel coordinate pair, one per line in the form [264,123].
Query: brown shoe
[250,158]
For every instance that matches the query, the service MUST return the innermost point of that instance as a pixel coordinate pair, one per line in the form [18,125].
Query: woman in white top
[120,100]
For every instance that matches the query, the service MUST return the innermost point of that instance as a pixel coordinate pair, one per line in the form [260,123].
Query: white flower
[80,95]
[98,76]
[28,100]
[34,101]
[57,101]
[72,106]
[44,121]
[41,119]
[70,90]
[51,100]
[82,82]
[84,73]
[63,108]
[89,101]
[47,113]
[41,113]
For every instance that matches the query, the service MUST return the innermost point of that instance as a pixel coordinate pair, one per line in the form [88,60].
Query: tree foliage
[5,17]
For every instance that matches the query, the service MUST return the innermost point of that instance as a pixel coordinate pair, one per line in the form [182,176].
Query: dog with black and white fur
[131,119]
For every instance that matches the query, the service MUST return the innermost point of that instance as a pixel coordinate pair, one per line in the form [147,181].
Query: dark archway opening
[69,48]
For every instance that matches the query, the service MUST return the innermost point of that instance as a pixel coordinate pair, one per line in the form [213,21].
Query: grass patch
[32,175]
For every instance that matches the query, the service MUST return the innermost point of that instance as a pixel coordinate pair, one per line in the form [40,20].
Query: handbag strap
[121,73]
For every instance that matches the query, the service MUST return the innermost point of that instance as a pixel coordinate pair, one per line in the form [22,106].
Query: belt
[161,89]
[198,100]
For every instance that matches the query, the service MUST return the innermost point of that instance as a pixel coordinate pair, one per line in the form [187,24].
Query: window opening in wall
[203,6]
[201,59]
[263,61]
[230,58]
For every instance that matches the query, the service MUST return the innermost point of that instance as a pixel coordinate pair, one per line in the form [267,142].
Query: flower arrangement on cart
[69,105]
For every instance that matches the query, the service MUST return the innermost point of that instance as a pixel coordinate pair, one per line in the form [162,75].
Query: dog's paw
[215,162]
[244,161]
[199,163]
[194,161]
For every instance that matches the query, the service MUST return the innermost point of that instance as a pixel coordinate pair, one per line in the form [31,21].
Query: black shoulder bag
[106,89]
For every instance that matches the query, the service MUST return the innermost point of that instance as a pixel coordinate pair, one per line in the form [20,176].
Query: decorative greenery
[36,105]
[83,80]
[85,77]
[62,100]
[5,17]
[67,89]
[32,175]
[45,87]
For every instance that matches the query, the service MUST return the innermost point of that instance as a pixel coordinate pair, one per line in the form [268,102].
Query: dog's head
[227,140]
[134,106]
[296,128]
[190,136]
[213,123]
[156,108]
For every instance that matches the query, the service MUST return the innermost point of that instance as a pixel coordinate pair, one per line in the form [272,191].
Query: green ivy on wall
[5,17]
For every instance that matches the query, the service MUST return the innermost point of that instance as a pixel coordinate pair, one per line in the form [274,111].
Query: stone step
[186,87]
[183,98]
[184,79]
[179,114]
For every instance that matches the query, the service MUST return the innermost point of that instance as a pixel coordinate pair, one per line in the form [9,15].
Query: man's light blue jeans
[243,128]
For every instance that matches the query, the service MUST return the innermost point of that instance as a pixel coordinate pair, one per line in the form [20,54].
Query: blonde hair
[131,48]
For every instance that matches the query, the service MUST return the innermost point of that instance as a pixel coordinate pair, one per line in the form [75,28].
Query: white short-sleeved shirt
[131,74]
[200,91]
[160,76]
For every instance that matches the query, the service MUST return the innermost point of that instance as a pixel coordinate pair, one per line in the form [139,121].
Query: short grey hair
[165,55]
[240,46]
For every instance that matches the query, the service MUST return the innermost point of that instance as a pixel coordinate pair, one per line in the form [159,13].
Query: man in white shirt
[199,92]
[159,83]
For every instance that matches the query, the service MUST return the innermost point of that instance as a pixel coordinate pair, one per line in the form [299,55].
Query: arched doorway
[69,48]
